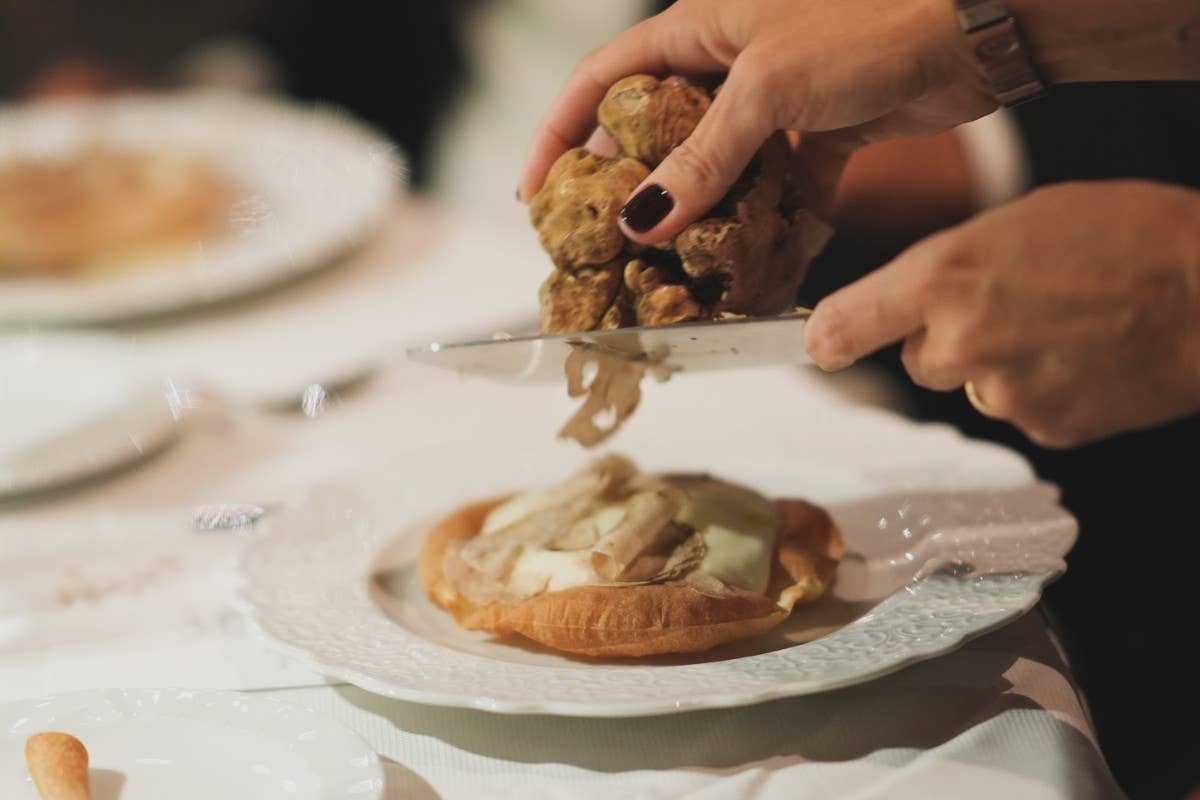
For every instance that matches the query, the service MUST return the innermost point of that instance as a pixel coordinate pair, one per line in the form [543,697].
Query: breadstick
[58,764]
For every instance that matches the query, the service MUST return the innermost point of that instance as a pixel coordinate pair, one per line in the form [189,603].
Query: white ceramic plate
[310,184]
[334,583]
[150,744]
[76,405]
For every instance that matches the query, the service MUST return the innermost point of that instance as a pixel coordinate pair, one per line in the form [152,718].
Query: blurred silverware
[685,347]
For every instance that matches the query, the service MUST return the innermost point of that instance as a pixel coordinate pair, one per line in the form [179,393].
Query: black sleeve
[1115,130]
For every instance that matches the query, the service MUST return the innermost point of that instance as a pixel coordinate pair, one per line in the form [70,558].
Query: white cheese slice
[537,570]
[517,508]
[738,527]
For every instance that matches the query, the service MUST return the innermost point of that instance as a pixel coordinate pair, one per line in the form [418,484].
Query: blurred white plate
[310,184]
[929,565]
[150,744]
[76,405]
[426,272]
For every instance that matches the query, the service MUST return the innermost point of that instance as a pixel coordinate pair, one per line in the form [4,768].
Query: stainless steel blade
[686,347]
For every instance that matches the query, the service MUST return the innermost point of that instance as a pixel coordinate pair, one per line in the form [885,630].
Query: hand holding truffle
[747,255]
[841,74]
[874,69]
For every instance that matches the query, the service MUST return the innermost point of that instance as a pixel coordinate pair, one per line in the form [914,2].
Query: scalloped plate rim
[1021,603]
[713,701]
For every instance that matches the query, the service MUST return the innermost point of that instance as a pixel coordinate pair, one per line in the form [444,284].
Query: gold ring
[976,401]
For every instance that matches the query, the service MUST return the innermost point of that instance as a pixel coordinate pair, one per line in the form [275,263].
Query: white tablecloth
[106,585]
[998,719]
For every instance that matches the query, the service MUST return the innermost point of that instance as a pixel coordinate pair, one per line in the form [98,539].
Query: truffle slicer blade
[685,347]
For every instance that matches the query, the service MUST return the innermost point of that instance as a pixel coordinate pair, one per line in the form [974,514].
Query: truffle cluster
[747,255]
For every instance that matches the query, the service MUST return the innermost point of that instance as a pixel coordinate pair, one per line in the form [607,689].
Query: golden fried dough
[687,613]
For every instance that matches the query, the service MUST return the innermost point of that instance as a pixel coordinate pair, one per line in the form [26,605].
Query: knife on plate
[684,347]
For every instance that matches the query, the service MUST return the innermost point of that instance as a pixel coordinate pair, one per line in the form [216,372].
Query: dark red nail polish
[647,208]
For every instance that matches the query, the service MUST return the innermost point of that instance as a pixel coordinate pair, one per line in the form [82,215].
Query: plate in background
[310,183]
[74,406]
[149,744]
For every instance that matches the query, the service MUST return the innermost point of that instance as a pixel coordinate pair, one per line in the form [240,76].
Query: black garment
[395,64]
[1115,130]
[1127,605]
[1127,608]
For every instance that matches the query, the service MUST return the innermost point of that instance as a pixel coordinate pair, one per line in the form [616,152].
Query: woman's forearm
[1112,40]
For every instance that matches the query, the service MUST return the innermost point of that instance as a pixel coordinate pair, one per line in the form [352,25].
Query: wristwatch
[996,43]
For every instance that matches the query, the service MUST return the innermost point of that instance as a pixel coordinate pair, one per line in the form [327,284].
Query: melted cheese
[739,558]
[538,570]
[517,508]
[737,525]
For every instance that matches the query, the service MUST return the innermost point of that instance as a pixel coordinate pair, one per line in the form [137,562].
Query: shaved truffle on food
[614,563]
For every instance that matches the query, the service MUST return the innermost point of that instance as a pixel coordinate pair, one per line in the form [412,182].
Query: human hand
[851,72]
[1074,312]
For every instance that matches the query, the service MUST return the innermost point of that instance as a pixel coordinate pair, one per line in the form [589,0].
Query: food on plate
[58,764]
[746,256]
[104,208]
[616,563]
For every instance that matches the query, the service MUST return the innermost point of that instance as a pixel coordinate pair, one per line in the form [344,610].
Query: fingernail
[647,208]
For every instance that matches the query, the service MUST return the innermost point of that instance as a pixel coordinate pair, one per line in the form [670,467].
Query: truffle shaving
[609,399]
[647,515]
